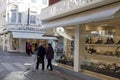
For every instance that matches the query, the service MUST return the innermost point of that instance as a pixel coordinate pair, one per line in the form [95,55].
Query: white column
[9,42]
[76,51]
[65,46]
[4,42]
[82,45]
[22,45]
[79,46]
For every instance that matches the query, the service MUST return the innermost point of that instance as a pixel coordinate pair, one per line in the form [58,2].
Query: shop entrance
[36,43]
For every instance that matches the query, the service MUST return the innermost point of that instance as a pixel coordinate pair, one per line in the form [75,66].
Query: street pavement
[12,68]
[11,62]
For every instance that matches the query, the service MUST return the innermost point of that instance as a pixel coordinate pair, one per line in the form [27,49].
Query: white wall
[23,6]
[34,7]
[2,6]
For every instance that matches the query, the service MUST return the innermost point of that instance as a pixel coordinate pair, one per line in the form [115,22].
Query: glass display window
[67,41]
[102,47]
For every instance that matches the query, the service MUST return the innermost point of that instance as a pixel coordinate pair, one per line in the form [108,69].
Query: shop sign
[29,28]
[70,4]
[66,6]
[25,28]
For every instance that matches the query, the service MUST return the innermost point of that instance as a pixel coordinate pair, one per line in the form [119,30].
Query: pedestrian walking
[26,47]
[40,56]
[49,56]
[29,48]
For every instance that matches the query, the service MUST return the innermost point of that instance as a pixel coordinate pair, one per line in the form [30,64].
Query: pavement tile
[48,75]
[15,76]
[38,75]
[43,75]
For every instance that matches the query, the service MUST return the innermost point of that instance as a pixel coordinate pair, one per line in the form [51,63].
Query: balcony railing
[25,28]
[67,7]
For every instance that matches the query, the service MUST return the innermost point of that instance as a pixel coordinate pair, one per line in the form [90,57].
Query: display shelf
[104,45]
[100,76]
[102,58]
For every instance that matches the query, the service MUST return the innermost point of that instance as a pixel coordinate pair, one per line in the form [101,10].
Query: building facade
[90,32]
[19,22]
[53,1]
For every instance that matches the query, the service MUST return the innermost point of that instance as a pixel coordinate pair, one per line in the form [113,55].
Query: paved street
[12,68]
[11,62]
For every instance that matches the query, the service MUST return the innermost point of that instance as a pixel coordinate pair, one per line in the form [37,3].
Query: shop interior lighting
[61,32]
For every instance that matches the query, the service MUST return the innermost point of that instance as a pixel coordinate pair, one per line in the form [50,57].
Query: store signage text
[69,5]
[25,28]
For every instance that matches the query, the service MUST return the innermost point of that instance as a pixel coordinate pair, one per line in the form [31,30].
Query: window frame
[13,17]
[32,18]
[19,18]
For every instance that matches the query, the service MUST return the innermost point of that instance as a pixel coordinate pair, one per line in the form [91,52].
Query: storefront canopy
[102,13]
[26,35]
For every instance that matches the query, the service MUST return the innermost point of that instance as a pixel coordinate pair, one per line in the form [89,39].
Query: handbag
[109,40]
[99,41]
[88,40]
[40,60]
[117,52]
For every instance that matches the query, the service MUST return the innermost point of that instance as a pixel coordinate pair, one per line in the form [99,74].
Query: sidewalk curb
[76,74]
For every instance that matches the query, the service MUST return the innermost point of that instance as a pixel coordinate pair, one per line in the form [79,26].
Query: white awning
[24,35]
[103,13]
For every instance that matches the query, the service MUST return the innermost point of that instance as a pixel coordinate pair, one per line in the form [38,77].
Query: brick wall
[53,1]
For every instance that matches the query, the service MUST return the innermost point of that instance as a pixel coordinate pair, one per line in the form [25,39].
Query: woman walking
[49,56]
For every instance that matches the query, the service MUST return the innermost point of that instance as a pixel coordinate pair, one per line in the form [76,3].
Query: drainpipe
[28,18]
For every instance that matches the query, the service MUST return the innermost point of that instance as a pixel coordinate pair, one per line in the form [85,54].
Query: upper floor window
[32,19]
[13,17]
[19,17]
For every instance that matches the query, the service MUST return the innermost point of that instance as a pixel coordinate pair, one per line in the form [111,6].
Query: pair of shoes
[47,67]
[34,70]
[51,69]
[42,69]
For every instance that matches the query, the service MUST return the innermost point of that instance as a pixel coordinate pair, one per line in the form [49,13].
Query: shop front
[15,41]
[102,47]
[93,42]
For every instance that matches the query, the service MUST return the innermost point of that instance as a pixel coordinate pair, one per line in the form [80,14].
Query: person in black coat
[40,56]
[49,56]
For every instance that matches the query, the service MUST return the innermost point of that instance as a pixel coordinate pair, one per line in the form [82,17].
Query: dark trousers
[49,64]
[38,62]
[29,51]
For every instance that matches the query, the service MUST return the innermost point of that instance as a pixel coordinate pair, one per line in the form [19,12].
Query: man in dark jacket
[40,56]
